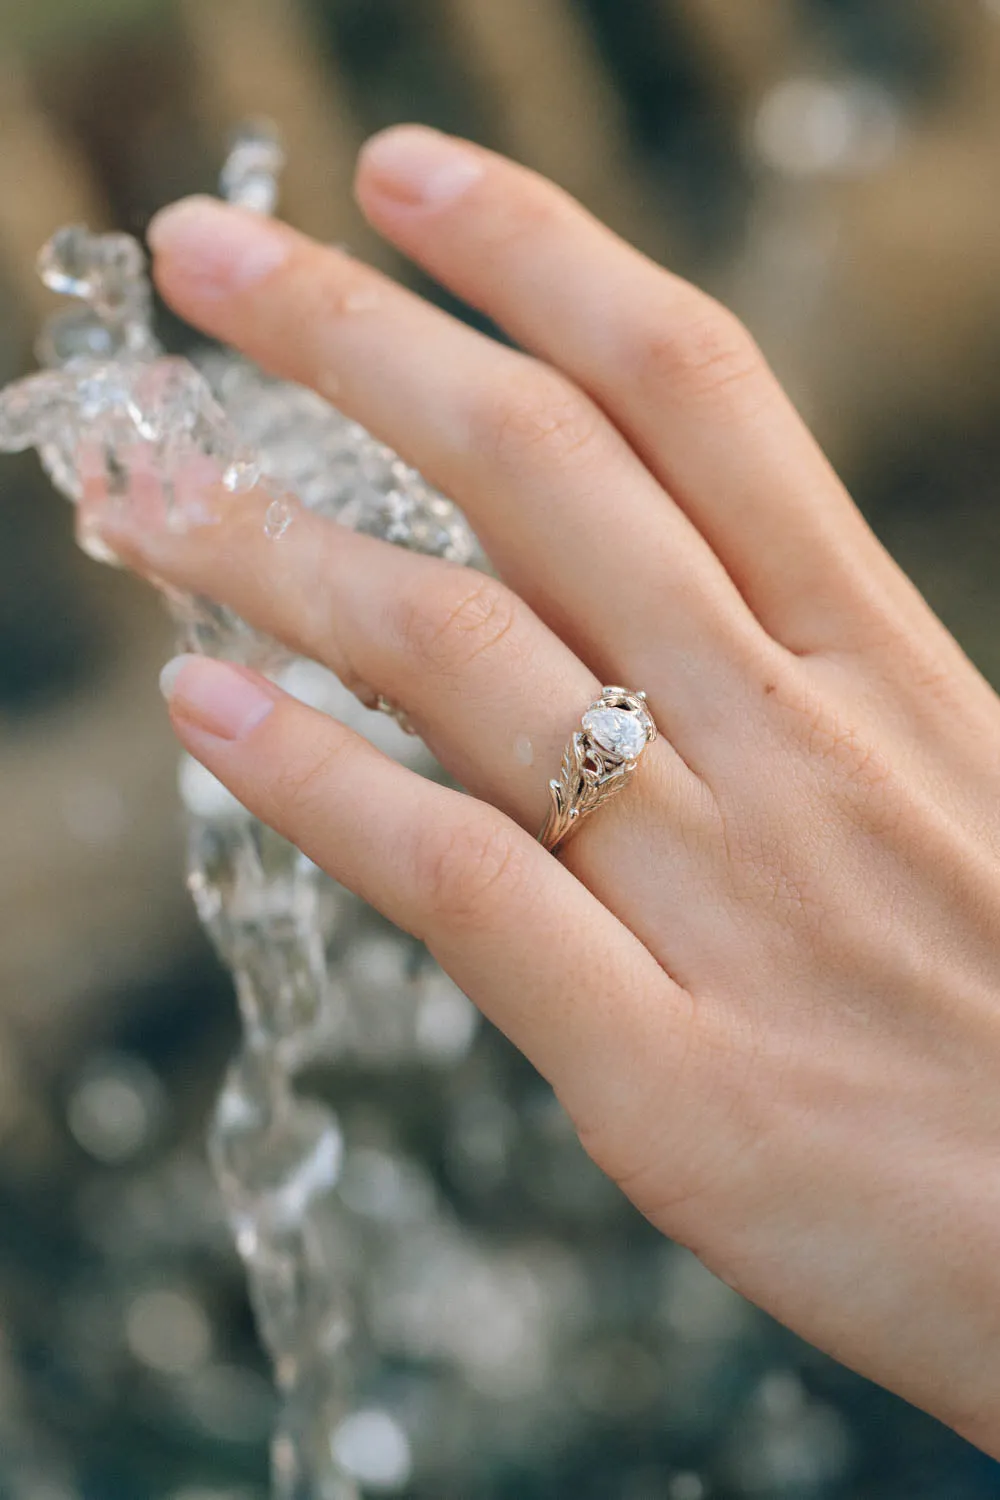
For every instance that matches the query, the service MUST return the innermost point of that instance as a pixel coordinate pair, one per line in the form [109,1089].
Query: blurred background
[827,167]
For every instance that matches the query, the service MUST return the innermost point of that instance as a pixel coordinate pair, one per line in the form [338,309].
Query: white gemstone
[617,731]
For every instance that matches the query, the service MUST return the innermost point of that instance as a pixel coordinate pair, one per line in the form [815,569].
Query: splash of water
[113,414]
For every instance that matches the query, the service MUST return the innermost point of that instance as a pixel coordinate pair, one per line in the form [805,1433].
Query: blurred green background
[829,168]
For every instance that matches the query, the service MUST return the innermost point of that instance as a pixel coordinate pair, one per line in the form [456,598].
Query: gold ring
[598,762]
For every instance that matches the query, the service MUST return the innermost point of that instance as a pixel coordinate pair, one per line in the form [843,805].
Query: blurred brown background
[828,167]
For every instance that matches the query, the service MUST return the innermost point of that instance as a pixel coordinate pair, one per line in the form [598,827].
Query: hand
[764,979]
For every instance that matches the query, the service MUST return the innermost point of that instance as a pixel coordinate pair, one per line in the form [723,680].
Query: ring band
[598,762]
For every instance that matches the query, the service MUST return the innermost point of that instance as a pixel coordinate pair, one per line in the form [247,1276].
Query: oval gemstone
[617,731]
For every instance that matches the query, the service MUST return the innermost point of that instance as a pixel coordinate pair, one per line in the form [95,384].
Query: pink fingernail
[217,696]
[418,166]
[216,247]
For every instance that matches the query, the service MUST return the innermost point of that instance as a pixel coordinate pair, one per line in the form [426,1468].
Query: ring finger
[491,689]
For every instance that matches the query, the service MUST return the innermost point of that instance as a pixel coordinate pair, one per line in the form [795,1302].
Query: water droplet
[524,750]
[277,519]
[241,476]
[362,299]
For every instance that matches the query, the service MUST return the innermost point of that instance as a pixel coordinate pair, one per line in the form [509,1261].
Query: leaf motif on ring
[586,781]
[598,761]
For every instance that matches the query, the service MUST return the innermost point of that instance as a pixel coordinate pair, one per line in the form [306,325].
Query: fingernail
[215,695]
[219,248]
[419,166]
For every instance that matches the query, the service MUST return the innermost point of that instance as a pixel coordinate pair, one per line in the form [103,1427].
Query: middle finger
[570,516]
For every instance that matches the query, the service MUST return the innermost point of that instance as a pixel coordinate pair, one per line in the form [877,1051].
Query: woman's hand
[764,980]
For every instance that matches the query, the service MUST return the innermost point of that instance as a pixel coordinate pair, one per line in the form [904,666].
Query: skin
[763,981]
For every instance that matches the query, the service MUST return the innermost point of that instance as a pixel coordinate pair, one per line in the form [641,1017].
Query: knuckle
[449,626]
[701,349]
[533,415]
[465,870]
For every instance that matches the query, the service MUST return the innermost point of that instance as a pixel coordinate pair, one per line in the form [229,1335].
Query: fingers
[550,966]
[486,684]
[678,375]
[489,687]
[492,691]
[570,517]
